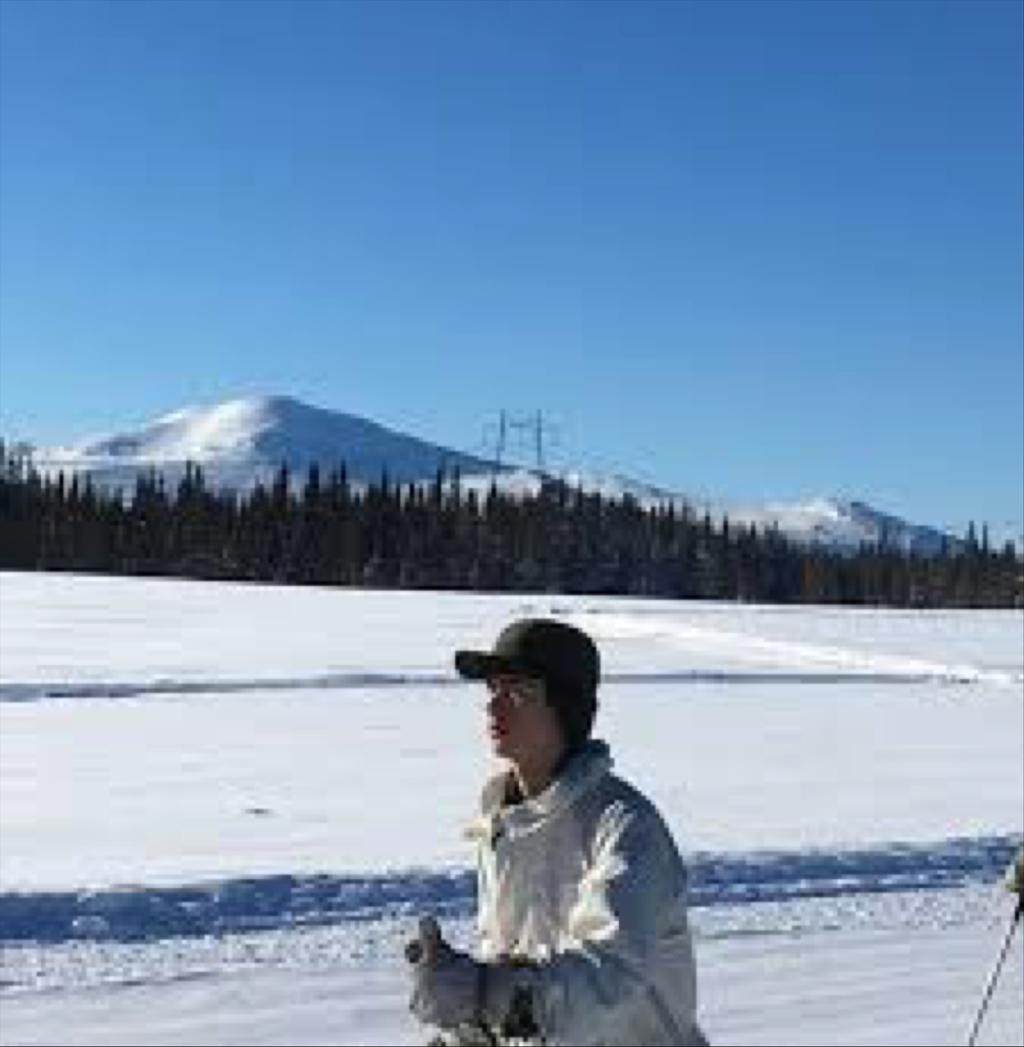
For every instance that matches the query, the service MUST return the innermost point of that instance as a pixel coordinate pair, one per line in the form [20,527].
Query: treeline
[326,531]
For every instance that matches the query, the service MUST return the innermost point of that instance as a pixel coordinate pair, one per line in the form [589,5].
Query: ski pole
[1015,883]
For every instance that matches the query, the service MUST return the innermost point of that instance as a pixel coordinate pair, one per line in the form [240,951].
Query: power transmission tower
[533,427]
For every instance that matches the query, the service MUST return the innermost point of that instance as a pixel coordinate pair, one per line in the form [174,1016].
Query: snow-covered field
[223,806]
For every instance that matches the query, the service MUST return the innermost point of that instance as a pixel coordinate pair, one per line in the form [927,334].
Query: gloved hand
[448,985]
[452,990]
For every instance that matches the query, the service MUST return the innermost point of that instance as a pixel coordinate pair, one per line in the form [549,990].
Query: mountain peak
[242,441]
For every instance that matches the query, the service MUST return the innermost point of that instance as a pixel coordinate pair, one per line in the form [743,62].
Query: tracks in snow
[287,901]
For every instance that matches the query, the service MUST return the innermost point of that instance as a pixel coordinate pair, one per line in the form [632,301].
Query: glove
[448,984]
[452,990]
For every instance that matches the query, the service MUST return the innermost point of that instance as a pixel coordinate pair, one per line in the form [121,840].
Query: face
[520,723]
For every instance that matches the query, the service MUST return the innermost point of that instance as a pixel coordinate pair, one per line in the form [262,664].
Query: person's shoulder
[627,823]
[609,801]
[621,801]
[635,796]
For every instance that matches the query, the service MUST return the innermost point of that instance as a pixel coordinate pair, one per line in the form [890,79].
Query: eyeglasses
[520,690]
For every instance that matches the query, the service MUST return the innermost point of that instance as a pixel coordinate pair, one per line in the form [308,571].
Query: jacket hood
[581,772]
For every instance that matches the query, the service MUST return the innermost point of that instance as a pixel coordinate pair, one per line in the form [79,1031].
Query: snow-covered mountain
[845,523]
[829,521]
[241,442]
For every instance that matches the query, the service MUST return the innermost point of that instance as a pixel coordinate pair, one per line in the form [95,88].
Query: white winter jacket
[586,881]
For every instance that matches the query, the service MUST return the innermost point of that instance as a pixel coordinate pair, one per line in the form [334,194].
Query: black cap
[561,655]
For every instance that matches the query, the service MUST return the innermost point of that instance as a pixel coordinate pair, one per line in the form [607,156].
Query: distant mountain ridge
[241,442]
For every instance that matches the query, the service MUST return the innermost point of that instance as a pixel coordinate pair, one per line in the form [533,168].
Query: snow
[874,987]
[244,441]
[224,805]
[193,433]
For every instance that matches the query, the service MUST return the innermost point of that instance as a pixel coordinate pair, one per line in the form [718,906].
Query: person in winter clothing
[584,936]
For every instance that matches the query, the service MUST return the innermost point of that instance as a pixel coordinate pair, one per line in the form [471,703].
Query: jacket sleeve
[629,919]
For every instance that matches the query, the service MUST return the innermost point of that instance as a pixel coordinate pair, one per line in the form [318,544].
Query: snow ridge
[109,689]
[290,901]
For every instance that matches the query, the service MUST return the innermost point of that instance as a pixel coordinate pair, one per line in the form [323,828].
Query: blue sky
[754,251]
